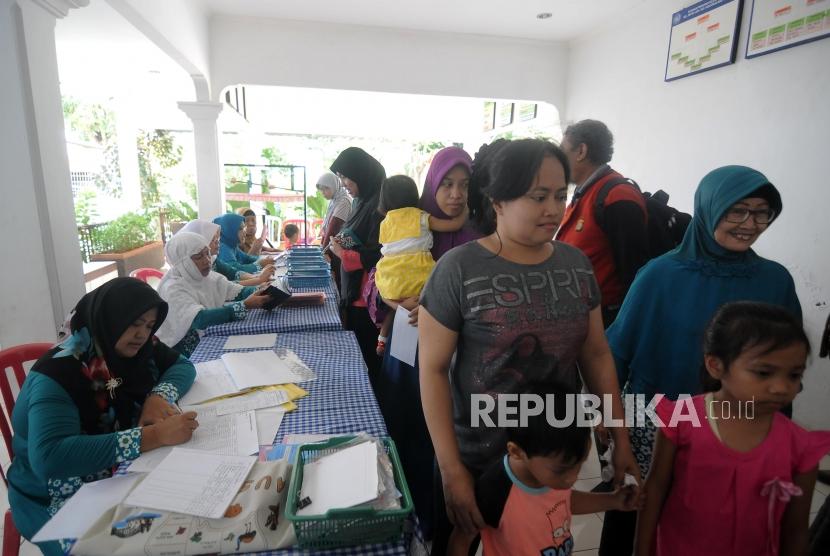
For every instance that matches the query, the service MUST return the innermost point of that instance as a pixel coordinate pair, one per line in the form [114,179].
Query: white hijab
[202,227]
[207,230]
[185,290]
[340,203]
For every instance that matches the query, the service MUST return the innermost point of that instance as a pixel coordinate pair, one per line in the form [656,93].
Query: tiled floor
[585,528]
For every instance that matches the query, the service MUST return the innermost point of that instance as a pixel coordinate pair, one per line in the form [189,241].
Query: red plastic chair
[13,357]
[312,230]
[144,274]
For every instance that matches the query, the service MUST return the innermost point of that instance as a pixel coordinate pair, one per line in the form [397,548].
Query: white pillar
[44,276]
[210,191]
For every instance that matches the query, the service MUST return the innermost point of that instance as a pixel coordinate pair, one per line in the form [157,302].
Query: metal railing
[91,241]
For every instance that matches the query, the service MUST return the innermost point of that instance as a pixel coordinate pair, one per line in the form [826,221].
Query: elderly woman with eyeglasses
[198,297]
[657,337]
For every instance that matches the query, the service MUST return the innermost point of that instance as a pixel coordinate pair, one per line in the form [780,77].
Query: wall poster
[775,24]
[703,36]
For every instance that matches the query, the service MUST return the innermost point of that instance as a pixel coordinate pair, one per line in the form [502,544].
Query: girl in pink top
[731,475]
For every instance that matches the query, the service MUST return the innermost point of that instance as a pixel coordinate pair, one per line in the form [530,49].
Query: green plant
[85,210]
[179,211]
[95,123]
[128,231]
[317,205]
[273,155]
[157,150]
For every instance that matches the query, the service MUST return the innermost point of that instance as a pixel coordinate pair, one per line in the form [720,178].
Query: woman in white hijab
[339,205]
[210,232]
[196,296]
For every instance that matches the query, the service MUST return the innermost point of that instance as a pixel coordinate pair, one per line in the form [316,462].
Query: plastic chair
[144,274]
[308,227]
[13,357]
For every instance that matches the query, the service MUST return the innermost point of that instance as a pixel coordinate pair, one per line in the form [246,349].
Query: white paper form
[212,380]
[229,435]
[250,341]
[192,482]
[404,337]
[268,422]
[263,368]
[341,480]
[250,402]
[85,507]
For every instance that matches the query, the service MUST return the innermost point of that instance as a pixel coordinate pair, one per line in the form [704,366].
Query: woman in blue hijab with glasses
[232,231]
[657,339]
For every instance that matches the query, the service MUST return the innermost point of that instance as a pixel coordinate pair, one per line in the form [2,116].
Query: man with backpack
[607,217]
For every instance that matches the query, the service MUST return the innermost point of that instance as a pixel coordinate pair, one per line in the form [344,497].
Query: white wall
[771,113]
[27,313]
[299,54]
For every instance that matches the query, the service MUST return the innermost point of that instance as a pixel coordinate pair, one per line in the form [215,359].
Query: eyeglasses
[204,254]
[739,215]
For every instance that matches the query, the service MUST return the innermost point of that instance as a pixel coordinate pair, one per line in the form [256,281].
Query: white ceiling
[516,18]
[101,56]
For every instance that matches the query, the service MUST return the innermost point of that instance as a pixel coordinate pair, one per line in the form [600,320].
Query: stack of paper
[235,434]
[250,369]
[240,371]
[343,479]
[249,341]
[192,483]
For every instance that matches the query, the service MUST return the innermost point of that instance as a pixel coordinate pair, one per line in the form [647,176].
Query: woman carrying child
[448,188]
[406,239]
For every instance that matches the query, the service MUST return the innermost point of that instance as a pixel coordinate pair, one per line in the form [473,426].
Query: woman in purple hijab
[446,193]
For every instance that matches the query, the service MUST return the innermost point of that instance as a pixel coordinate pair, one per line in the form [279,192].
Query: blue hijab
[657,337]
[229,252]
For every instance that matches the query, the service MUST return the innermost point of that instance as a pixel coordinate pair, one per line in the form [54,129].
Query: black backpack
[666,224]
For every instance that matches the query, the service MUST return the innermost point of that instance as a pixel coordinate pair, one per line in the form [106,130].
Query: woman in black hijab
[101,397]
[357,245]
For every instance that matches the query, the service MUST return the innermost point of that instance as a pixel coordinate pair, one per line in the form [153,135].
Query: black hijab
[106,313]
[364,220]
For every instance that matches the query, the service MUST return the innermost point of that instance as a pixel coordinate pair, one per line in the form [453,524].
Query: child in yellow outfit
[406,236]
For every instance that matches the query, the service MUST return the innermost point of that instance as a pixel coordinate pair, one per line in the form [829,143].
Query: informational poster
[777,24]
[703,36]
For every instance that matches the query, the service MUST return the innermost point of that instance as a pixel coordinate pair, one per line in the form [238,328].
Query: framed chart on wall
[703,36]
[775,25]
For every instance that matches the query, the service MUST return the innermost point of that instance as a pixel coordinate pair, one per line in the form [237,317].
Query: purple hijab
[445,160]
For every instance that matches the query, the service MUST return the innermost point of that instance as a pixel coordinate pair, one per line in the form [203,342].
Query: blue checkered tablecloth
[285,319]
[340,400]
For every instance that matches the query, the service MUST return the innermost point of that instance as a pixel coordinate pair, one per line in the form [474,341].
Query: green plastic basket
[348,526]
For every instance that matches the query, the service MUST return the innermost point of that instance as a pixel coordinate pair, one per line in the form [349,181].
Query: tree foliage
[157,150]
[94,123]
